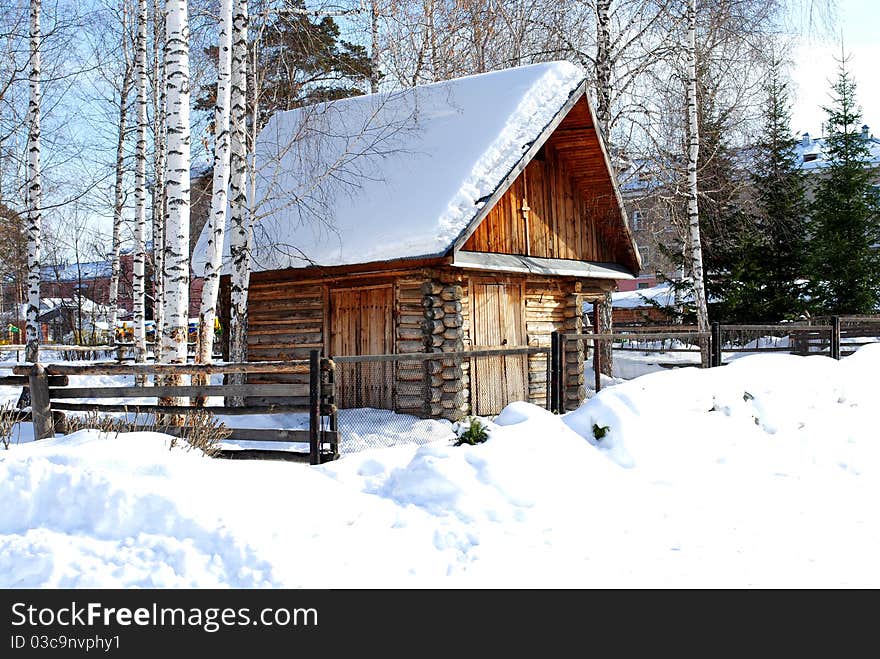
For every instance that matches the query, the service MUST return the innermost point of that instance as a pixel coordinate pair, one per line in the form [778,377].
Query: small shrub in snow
[474,433]
[97,421]
[599,432]
[10,417]
[201,430]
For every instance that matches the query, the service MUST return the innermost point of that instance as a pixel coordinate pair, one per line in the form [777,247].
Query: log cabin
[477,212]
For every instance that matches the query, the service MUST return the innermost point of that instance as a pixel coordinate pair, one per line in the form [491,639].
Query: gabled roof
[400,175]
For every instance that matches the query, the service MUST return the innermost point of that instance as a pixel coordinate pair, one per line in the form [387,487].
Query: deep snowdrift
[761,473]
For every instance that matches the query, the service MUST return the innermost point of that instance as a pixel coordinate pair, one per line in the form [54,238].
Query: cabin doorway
[361,323]
[497,322]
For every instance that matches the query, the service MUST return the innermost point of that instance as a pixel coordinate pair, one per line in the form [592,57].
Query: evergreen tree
[721,217]
[844,256]
[770,254]
[302,59]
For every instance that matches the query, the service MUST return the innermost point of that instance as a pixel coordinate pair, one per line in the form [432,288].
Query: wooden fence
[50,393]
[835,336]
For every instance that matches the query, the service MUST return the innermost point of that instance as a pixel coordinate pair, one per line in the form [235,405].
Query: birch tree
[140,184]
[693,210]
[159,158]
[241,230]
[34,189]
[176,267]
[119,184]
[219,198]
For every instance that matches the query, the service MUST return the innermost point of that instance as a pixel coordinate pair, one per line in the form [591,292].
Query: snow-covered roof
[75,272]
[811,151]
[88,306]
[395,175]
[662,294]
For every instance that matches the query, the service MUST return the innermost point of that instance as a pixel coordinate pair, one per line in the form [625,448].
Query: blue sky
[858,22]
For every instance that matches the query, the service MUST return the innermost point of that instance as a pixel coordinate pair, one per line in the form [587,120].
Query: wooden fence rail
[832,335]
[49,388]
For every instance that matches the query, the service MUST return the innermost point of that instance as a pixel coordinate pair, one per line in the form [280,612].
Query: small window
[643,284]
[810,157]
[635,220]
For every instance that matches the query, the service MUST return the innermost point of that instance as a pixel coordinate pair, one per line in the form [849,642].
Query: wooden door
[361,323]
[497,322]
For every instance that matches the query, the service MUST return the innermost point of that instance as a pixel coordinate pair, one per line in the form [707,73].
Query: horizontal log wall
[545,309]
[285,321]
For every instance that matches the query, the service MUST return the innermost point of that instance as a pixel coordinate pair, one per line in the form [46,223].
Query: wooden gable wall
[571,205]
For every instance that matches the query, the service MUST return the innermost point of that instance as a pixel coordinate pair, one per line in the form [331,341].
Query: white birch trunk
[374,47]
[217,219]
[140,186]
[603,66]
[603,115]
[119,200]
[34,189]
[159,157]
[693,155]
[240,232]
[174,335]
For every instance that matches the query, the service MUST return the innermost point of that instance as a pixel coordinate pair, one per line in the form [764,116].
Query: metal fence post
[41,412]
[835,337]
[715,345]
[555,389]
[314,406]
[597,350]
[330,401]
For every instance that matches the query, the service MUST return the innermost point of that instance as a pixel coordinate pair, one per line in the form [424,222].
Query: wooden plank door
[498,322]
[361,323]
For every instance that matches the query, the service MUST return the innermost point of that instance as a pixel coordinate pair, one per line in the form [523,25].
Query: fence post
[597,351]
[555,383]
[41,412]
[715,345]
[314,406]
[835,337]
[330,400]
[549,377]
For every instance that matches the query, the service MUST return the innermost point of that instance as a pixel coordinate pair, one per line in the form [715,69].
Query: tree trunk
[119,200]
[693,205]
[174,335]
[217,219]
[240,234]
[606,352]
[34,189]
[603,66]
[603,116]
[159,157]
[140,185]
[374,47]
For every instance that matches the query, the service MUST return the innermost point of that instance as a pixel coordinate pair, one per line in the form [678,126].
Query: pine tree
[844,260]
[769,258]
[722,219]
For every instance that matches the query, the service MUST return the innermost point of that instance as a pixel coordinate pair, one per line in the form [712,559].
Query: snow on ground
[763,473]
